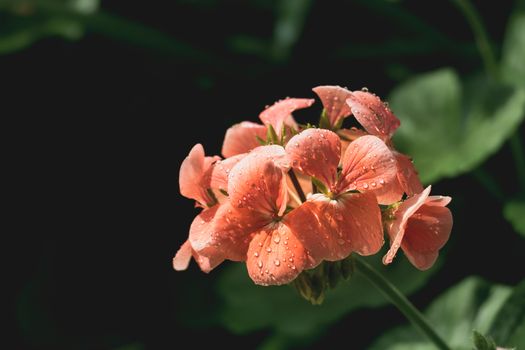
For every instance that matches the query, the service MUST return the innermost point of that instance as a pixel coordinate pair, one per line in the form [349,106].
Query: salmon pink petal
[221,170]
[183,257]
[316,152]
[334,102]
[242,138]
[258,183]
[426,233]
[390,193]
[441,201]
[396,227]
[275,256]
[195,175]
[224,232]
[373,114]
[332,229]
[280,113]
[368,164]
[407,175]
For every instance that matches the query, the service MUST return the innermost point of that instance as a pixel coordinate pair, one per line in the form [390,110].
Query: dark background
[100,127]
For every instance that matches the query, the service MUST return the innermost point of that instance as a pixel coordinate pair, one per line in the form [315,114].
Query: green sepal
[324,123]
[319,185]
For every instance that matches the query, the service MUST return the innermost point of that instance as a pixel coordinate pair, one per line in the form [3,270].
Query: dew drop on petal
[340,241]
[256,254]
[365,185]
[381,181]
[260,264]
[269,250]
[277,262]
[276,239]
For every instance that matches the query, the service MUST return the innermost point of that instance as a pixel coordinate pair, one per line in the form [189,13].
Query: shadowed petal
[407,175]
[332,229]
[280,113]
[391,192]
[396,227]
[275,256]
[426,233]
[221,170]
[224,232]
[368,164]
[372,114]
[242,138]
[334,102]
[183,257]
[195,175]
[316,152]
[258,183]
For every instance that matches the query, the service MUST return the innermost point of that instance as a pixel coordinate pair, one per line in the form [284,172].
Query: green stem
[401,302]
[297,186]
[519,157]
[480,35]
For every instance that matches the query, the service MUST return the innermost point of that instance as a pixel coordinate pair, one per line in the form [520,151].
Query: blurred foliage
[472,304]
[450,129]
[514,213]
[282,310]
[22,22]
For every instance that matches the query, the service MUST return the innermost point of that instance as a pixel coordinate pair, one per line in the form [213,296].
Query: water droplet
[293,267]
[276,238]
[260,244]
[290,259]
[277,262]
[365,185]
[269,250]
[256,254]
[340,241]
[373,184]
[381,181]
[260,264]
[364,89]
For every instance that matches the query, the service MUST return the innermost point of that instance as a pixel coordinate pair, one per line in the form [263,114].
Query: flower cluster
[287,197]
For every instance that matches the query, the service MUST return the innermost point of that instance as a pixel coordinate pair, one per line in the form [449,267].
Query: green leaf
[248,307]
[450,129]
[514,212]
[508,328]
[482,342]
[471,304]
[513,55]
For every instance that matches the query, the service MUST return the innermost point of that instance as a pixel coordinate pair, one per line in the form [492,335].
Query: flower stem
[480,35]
[297,185]
[400,301]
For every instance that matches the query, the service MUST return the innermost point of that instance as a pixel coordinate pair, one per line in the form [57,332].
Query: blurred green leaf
[291,15]
[471,304]
[482,342]
[514,212]
[248,307]
[513,55]
[508,328]
[24,22]
[450,129]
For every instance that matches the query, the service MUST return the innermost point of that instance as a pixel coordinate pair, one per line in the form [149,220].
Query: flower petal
[183,257]
[407,175]
[426,233]
[242,138]
[373,114]
[390,193]
[275,256]
[334,102]
[195,175]
[396,227]
[280,113]
[257,182]
[316,152]
[224,232]
[221,170]
[368,164]
[332,229]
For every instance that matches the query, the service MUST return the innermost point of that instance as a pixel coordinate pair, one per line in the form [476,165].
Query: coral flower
[341,220]
[201,178]
[378,120]
[252,225]
[420,225]
[242,137]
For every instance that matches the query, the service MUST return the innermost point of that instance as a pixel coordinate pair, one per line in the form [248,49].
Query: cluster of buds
[286,198]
